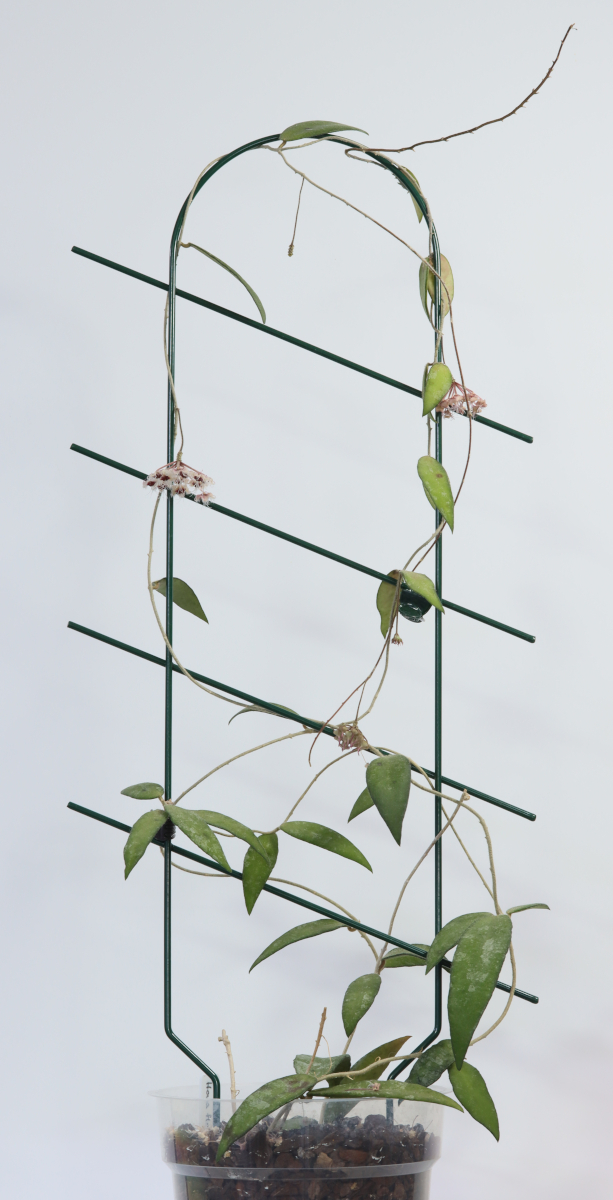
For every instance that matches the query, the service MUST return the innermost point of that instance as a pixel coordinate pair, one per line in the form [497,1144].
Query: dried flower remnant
[180,480]
[456,399]
[350,737]
[397,640]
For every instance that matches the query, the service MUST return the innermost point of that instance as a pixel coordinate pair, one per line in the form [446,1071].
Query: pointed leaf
[391,1089]
[258,708]
[470,1089]
[193,825]
[311,129]
[321,1066]
[437,383]
[423,586]
[363,802]
[386,604]
[437,486]
[142,833]
[221,263]
[256,869]
[403,958]
[297,934]
[182,595]
[476,966]
[326,839]
[389,781]
[449,936]
[523,907]
[387,1050]
[430,1065]
[144,791]
[260,1104]
[358,998]
[427,283]
[236,828]
[410,175]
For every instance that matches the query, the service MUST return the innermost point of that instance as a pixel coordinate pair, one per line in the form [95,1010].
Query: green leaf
[427,282]
[410,175]
[221,263]
[321,1066]
[236,828]
[430,1065]
[256,869]
[438,380]
[142,833]
[144,791]
[360,995]
[260,1103]
[387,1050]
[363,802]
[326,839]
[258,708]
[391,1089]
[402,958]
[470,1089]
[423,586]
[386,603]
[297,934]
[523,907]
[389,781]
[312,129]
[194,826]
[449,936]
[475,969]
[182,595]
[437,486]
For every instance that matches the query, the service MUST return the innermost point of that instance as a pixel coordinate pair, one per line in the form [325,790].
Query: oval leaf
[449,936]
[142,833]
[311,129]
[236,828]
[470,1089]
[387,1050]
[221,263]
[297,934]
[476,966]
[437,486]
[326,839]
[358,998]
[256,868]
[389,781]
[363,802]
[523,907]
[427,283]
[437,383]
[392,1089]
[402,958]
[423,586]
[430,1066]
[182,595]
[193,825]
[260,1104]
[144,791]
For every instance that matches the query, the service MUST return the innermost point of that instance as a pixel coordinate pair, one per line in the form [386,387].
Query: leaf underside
[310,129]
[231,271]
[182,595]
[144,791]
[437,487]
[424,586]
[437,383]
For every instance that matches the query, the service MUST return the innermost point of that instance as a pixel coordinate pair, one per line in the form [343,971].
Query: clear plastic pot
[309,1150]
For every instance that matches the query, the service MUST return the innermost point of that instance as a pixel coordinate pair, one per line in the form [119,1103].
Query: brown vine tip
[475,128]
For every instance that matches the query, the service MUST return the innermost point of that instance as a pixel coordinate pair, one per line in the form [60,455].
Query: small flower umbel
[350,737]
[455,401]
[180,480]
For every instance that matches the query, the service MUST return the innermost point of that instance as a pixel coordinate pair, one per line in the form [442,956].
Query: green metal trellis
[170,667]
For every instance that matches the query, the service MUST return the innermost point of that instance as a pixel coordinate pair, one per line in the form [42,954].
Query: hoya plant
[472,947]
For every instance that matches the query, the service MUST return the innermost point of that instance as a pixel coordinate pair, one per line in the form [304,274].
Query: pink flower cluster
[455,401]
[350,737]
[181,480]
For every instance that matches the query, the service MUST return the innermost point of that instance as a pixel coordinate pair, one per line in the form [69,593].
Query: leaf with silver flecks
[260,1104]
[403,958]
[475,969]
[257,869]
[430,1065]
[141,835]
[297,934]
[449,936]
[326,839]
[236,828]
[194,826]
[358,998]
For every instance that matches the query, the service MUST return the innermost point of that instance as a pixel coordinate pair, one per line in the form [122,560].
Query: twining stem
[286,737]
[471,860]
[314,780]
[490,854]
[319,1037]
[228,1048]
[291,246]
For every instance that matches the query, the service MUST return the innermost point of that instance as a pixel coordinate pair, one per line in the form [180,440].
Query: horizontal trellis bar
[282,712]
[289,537]
[343,919]
[285,337]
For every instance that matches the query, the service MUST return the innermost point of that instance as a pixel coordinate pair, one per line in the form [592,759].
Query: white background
[111,110]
